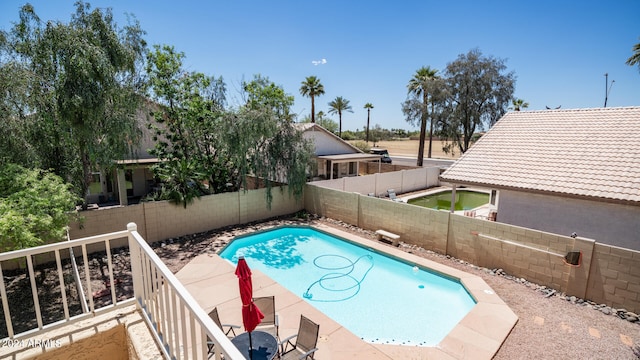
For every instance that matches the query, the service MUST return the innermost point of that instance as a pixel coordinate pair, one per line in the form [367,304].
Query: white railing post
[5,305]
[136,270]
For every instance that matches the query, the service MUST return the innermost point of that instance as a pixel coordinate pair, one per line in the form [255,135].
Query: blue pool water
[380,299]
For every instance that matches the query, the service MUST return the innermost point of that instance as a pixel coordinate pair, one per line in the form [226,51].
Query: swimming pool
[465,200]
[378,298]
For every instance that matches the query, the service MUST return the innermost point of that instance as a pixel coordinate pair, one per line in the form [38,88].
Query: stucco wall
[612,224]
[378,184]
[110,343]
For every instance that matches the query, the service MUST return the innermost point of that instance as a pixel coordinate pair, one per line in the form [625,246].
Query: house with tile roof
[562,171]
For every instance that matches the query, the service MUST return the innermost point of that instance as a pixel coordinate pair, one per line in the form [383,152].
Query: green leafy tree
[368,106]
[337,106]
[518,104]
[202,142]
[323,121]
[478,92]
[634,59]
[311,87]
[417,105]
[82,81]
[187,128]
[261,92]
[263,141]
[34,207]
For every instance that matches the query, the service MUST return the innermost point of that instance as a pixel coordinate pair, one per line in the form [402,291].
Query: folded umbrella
[251,314]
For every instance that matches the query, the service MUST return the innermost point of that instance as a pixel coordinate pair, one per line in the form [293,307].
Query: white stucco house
[335,158]
[562,171]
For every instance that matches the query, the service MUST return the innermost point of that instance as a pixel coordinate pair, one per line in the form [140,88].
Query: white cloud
[319,62]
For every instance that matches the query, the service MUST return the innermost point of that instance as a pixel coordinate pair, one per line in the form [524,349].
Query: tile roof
[583,152]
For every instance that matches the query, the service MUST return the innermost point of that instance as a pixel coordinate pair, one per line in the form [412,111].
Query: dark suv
[380,151]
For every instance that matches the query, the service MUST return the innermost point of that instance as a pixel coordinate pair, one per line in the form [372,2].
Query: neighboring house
[335,158]
[132,179]
[562,171]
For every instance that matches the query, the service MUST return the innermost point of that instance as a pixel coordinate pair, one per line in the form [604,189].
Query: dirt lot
[410,148]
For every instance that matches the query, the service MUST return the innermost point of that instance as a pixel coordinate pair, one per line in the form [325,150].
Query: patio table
[265,345]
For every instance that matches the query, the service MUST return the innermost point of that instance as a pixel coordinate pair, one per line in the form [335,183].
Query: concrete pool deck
[479,335]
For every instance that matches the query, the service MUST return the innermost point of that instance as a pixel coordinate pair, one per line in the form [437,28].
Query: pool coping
[478,335]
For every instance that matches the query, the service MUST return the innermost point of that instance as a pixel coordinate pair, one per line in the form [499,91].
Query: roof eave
[541,192]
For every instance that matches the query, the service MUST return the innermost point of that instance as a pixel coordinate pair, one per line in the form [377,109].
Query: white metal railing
[179,325]
[29,254]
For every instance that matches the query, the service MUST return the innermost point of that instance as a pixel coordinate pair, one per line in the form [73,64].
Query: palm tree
[312,87]
[635,58]
[419,86]
[519,104]
[368,106]
[338,106]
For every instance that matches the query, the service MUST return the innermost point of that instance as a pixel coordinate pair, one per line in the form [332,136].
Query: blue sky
[559,50]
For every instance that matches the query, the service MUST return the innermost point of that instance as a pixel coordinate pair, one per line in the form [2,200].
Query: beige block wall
[161,220]
[96,222]
[253,207]
[615,277]
[332,203]
[416,225]
[534,255]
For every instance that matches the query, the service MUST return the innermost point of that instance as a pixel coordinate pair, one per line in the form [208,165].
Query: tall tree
[479,92]
[368,106]
[311,87]
[338,105]
[83,82]
[634,59]
[419,88]
[202,142]
[187,128]
[263,142]
[518,104]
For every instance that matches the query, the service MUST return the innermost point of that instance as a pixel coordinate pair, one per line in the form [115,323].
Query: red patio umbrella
[251,315]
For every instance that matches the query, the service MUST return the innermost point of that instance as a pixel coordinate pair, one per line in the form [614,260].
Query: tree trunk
[423,130]
[313,110]
[430,131]
[368,113]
